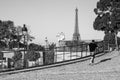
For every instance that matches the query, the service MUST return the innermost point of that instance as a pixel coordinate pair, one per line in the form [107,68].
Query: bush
[32,55]
[17,56]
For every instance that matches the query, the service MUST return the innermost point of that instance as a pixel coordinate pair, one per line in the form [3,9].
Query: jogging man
[92,47]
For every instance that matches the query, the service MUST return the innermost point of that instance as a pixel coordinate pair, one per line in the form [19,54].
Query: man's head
[93,40]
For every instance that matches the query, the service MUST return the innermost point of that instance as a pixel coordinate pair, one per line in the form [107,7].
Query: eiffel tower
[76,35]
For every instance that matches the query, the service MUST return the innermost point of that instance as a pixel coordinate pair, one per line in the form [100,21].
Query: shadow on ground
[104,60]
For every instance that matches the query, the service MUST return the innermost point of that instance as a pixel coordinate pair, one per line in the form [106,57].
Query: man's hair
[93,40]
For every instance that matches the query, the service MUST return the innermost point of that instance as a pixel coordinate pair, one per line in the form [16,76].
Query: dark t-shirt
[92,47]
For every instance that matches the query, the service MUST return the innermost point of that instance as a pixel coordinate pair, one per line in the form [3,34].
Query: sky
[47,18]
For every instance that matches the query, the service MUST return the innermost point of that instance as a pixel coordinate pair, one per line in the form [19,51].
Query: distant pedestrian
[92,48]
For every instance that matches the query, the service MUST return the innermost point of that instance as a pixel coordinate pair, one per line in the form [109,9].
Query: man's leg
[91,58]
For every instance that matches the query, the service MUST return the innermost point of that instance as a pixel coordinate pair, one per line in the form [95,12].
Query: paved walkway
[106,67]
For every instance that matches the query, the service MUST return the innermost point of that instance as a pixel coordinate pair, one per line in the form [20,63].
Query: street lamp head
[46,40]
[24,29]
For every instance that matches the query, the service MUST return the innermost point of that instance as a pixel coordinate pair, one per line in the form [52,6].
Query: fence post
[76,50]
[55,54]
[103,46]
[63,53]
[81,49]
[86,49]
[70,52]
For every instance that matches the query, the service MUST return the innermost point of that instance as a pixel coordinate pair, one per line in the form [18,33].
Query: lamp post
[47,44]
[109,33]
[19,30]
[24,32]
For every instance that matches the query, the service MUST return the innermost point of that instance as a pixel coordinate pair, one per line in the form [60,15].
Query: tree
[17,39]
[7,30]
[108,17]
[11,34]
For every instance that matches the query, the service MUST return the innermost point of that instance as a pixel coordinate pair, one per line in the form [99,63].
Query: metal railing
[74,52]
[62,54]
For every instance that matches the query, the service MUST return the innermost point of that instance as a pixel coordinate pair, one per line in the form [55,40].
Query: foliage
[10,34]
[52,46]
[110,38]
[21,39]
[18,64]
[17,56]
[7,30]
[3,45]
[32,55]
[36,47]
[108,19]
[108,15]
[16,44]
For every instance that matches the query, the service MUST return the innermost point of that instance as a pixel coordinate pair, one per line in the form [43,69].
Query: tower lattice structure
[76,35]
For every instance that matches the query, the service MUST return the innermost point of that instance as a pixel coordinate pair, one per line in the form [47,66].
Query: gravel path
[106,67]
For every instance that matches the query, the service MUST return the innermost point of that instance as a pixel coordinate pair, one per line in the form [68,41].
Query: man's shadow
[104,60]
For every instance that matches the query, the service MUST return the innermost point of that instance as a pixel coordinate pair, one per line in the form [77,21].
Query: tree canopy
[6,29]
[12,35]
[108,15]
[108,19]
